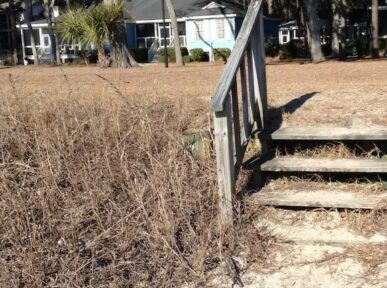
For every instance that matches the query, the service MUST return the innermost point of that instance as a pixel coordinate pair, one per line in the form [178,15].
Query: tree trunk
[29,26]
[343,30]
[314,27]
[375,29]
[335,43]
[121,57]
[269,7]
[12,20]
[176,40]
[47,5]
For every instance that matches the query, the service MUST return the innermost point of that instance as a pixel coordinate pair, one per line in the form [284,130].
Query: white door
[46,44]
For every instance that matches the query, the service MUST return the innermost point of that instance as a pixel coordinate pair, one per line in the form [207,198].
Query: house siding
[130,30]
[210,35]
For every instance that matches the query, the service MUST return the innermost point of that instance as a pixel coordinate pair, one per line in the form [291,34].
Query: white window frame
[220,33]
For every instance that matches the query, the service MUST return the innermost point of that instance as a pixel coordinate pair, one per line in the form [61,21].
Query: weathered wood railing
[246,67]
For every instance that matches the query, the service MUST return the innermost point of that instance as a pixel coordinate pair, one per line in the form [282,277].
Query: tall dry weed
[100,192]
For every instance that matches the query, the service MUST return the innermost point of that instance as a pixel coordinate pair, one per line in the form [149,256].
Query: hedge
[171,54]
[222,54]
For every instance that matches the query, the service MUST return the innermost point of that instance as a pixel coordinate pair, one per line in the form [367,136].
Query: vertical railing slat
[225,162]
[237,127]
[254,85]
[246,109]
[260,56]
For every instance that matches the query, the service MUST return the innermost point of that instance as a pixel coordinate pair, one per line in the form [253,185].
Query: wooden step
[321,198]
[325,134]
[294,164]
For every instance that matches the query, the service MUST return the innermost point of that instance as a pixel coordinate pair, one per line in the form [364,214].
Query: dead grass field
[97,188]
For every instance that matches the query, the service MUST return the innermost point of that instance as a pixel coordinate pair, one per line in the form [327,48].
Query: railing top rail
[231,69]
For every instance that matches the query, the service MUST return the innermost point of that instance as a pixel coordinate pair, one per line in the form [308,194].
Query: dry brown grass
[96,186]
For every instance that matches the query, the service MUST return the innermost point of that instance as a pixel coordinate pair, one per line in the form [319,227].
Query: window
[27,39]
[220,29]
[145,30]
[199,25]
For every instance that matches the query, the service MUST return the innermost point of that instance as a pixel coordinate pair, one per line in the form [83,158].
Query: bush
[187,59]
[222,54]
[139,54]
[272,46]
[383,47]
[197,54]
[294,49]
[171,54]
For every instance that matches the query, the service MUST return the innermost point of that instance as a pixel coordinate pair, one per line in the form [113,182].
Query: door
[46,44]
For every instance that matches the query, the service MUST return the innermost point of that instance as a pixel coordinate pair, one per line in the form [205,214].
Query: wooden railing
[233,132]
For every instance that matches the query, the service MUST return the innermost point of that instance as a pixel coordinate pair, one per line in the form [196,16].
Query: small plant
[294,49]
[187,59]
[197,54]
[222,54]
[272,47]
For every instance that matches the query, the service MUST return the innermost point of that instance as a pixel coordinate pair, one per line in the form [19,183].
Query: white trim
[183,19]
[212,5]
[380,8]
[41,25]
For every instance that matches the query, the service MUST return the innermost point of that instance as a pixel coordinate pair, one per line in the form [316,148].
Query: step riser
[322,199]
[328,134]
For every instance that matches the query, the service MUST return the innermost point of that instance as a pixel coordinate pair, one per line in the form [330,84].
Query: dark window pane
[145,30]
[28,51]
[164,32]
[3,21]
[27,40]
[181,27]
[140,43]
[4,43]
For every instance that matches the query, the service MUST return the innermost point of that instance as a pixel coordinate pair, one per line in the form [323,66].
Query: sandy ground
[316,249]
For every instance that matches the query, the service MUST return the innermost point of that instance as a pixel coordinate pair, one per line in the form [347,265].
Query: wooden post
[257,71]
[225,163]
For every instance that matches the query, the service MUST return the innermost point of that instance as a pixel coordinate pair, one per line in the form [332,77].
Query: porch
[40,31]
[149,33]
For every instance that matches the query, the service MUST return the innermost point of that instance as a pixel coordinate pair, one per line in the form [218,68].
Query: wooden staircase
[352,168]
[240,114]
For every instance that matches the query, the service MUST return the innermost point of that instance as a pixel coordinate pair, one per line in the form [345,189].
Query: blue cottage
[202,24]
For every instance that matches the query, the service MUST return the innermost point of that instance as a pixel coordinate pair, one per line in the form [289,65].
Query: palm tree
[99,26]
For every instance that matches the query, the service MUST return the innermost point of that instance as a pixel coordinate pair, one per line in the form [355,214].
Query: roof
[141,10]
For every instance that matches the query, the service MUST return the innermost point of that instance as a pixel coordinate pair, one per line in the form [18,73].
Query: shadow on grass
[275,115]
[275,121]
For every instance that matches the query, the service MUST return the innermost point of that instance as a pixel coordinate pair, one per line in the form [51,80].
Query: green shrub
[383,47]
[294,49]
[171,54]
[187,59]
[222,54]
[139,54]
[197,54]
[272,46]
